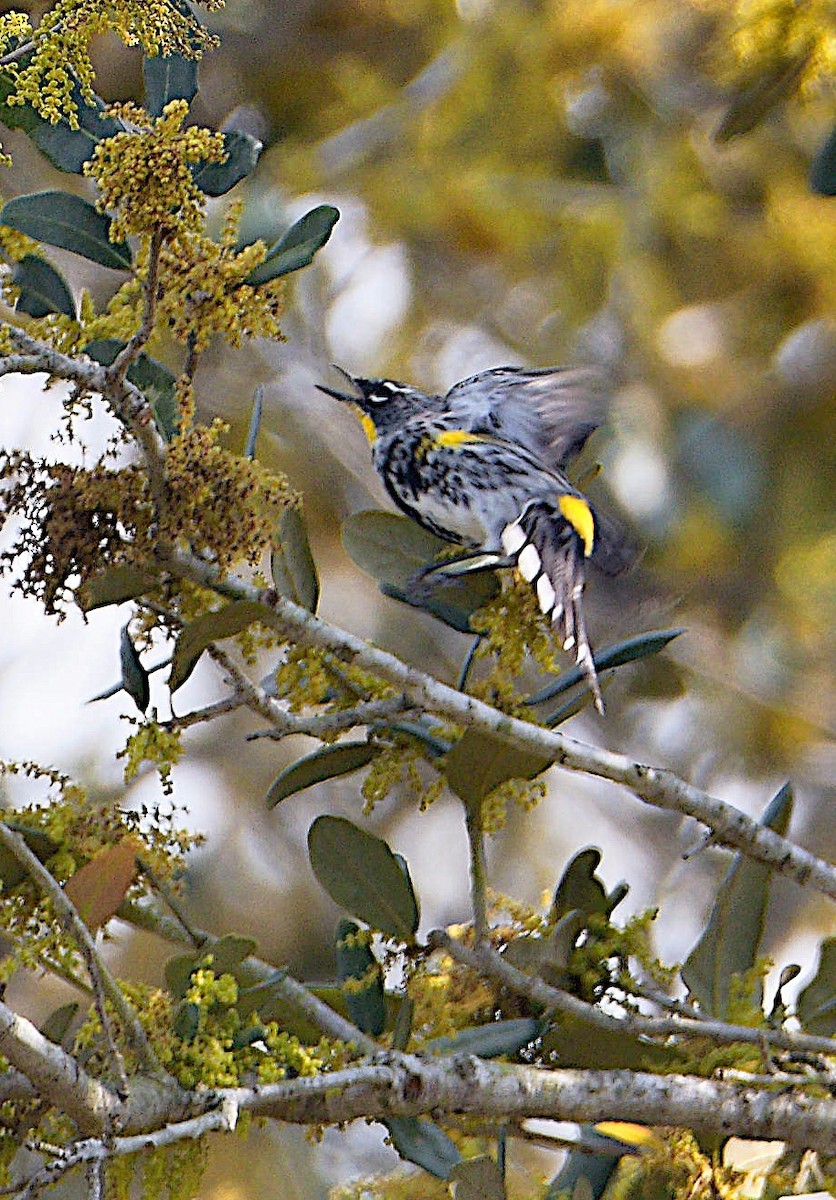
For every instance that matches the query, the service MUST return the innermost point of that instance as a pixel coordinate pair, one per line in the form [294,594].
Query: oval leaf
[42,846]
[114,586]
[42,289]
[342,758]
[579,888]
[478,1179]
[816,1005]
[99,887]
[210,627]
[255,423]
[361,874]
[296,248]
[358,968]
[491,1040]
[422,1142]
[61,219]
[134,676]
[168,77]
[643,646]
[153,378]
[823,169]
[292,564]
[66,148]
[57,1025]
[479,762]
[392,549]
[729,943]
[242,153]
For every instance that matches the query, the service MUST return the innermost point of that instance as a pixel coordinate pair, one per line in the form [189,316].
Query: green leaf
[422,1142]
[242,153]
[153,378]
[579,888]
[61,219]
[168,77]
[296,247]
[186,1021]
[478,1179]
[491,1040]
[361,874]
[549,956]
[479,762]
[816,1004]
[356,964]
[134,676]
[42,289]
[823,169]
[57,1025]
[573,1042]
[329,762]
[729,943]
[292,564]
[255,423]
[210,627]
[113,586]
[392,549]
[583,1174]
[228,953]
[751,104]
[643,646]
[66,148]
[403,1024]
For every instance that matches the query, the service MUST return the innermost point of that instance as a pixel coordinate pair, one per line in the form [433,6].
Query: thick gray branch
[55,1075]
[405,1085]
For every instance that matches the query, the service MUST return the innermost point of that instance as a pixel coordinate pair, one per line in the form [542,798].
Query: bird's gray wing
[550,411]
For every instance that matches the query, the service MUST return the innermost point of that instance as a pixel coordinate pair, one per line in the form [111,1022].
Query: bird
[484,466]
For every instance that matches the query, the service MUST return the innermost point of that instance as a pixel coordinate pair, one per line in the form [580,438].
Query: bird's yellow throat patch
[579,515]
[368,425]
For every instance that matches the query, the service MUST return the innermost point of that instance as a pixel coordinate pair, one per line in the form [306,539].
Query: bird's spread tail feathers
[550,555]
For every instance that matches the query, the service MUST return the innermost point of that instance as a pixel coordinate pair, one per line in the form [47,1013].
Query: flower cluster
[58,73]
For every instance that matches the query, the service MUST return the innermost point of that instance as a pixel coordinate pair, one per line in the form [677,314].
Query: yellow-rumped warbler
[484,466]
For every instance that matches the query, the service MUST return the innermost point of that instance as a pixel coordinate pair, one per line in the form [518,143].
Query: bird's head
[381,404]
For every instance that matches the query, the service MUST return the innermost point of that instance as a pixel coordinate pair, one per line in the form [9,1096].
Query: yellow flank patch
[457,437]
[368,427]
[579,515]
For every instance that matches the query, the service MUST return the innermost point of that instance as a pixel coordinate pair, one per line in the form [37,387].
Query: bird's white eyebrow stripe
[393,387]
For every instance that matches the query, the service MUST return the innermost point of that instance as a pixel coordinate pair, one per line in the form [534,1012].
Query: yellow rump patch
[457,437]
[579,515]
[632,1135]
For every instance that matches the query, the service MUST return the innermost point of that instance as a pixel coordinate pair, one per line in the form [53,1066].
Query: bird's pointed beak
[347,397]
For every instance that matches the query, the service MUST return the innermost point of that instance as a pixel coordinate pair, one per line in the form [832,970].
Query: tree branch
[54,1074]
[653,785]
[406,1085]
[128,403]
[484,960]
[104,985]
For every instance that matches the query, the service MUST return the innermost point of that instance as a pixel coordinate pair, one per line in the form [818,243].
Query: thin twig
[478,869]
[254,973]
[104,985]
[487,962]
[130,352]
